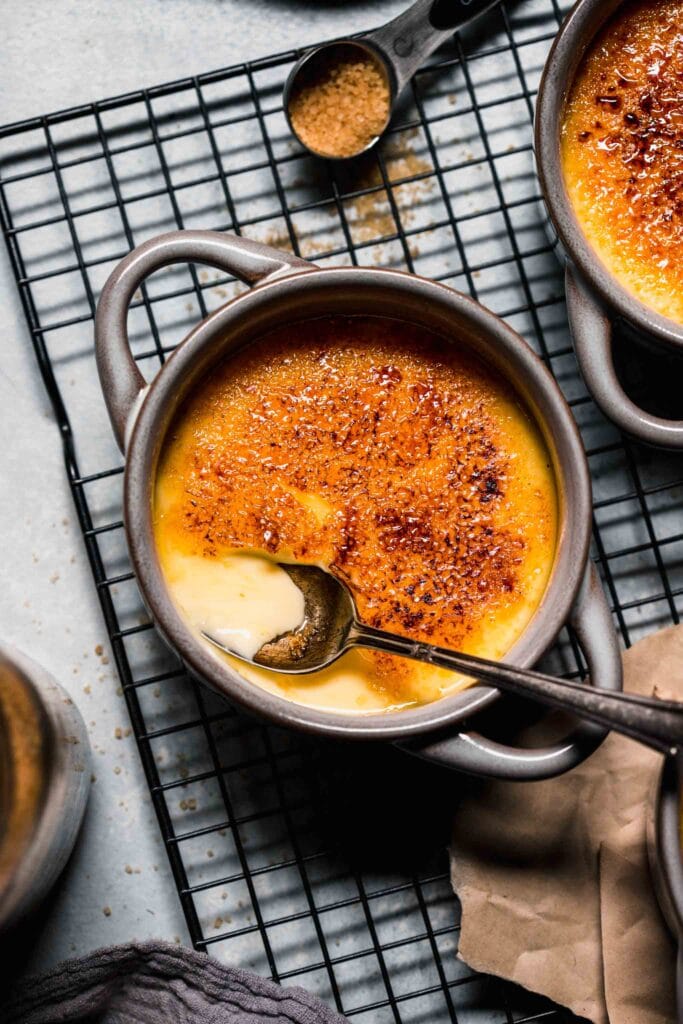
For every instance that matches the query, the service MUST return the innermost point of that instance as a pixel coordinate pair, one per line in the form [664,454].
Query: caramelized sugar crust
[378,450]
[622,141]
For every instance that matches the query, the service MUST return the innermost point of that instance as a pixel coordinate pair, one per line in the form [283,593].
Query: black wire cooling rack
[319,864]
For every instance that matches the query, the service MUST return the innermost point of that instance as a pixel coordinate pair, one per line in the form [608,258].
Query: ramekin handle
[122,382]
[663,847]
[592,333]
[470,752]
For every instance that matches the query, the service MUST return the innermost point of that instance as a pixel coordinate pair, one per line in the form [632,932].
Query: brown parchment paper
[554,879]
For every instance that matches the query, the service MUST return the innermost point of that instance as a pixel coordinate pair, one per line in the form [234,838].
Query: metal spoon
[398,48]
[331,627]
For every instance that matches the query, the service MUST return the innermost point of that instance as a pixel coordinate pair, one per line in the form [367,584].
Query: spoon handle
[656,723]
[410,38]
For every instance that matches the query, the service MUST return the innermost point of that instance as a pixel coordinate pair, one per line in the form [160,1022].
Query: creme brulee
[621,149]
[381,452]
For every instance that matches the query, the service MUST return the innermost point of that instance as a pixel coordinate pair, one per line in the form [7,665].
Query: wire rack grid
[318,864]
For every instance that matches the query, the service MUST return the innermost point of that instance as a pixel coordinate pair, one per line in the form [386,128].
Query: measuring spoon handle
[409,39]
[656,723]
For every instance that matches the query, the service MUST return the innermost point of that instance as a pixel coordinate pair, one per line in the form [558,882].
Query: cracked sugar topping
[376,449]
[622,147]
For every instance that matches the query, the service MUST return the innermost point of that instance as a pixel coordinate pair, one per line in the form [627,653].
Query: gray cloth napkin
[158,983]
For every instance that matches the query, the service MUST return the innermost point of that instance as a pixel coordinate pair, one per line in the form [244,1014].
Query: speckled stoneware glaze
[664,847]
[289,290]
[596,301]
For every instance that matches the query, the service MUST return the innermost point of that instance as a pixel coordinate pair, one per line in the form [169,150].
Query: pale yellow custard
[379,451]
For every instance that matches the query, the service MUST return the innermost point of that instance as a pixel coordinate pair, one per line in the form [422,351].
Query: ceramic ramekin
[596,301]
[291,290]
[664,847]
[44,783]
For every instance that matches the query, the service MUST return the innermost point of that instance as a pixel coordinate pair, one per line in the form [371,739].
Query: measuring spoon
[397,48]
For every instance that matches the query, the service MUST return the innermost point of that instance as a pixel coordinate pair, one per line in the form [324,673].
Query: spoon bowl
[323,636]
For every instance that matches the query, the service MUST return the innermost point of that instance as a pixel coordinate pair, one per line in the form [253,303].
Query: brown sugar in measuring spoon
[339,97]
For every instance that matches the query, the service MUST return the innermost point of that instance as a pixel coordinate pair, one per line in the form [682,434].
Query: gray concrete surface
[118,885]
